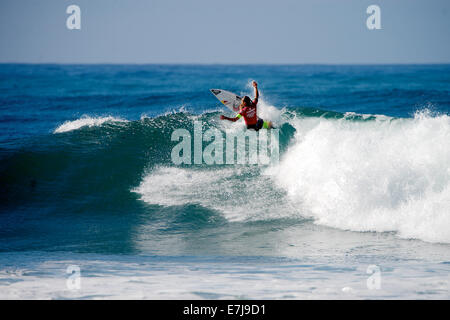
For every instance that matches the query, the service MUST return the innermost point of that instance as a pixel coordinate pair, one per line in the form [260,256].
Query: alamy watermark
[73,21]
[374,281]
[215,147]
[73,282]
[373,22]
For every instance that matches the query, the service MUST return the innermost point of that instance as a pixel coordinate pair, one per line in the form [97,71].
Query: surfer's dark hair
[247,101]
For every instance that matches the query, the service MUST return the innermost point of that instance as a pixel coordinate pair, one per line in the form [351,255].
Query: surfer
[248,111]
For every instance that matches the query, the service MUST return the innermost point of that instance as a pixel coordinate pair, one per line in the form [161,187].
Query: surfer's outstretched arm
[255,85]
[222,117]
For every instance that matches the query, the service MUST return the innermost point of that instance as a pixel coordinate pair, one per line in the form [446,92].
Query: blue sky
[231,31]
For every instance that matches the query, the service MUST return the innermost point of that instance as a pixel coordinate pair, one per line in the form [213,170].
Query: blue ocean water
[86,178]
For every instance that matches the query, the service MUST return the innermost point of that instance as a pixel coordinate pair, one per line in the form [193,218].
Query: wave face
[347,171]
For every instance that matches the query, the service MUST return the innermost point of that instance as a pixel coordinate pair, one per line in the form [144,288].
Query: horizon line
[230,63]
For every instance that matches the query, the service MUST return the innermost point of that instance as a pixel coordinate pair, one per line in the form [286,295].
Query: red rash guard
[249,113]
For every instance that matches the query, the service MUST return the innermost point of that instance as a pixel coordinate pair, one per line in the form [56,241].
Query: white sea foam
[134,277]
[85,121]
[387,175]
[240,192]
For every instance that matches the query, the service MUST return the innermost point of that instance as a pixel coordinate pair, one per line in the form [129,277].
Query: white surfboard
[229,99]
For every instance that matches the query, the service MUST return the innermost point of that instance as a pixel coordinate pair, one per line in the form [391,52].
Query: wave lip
[85,121]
